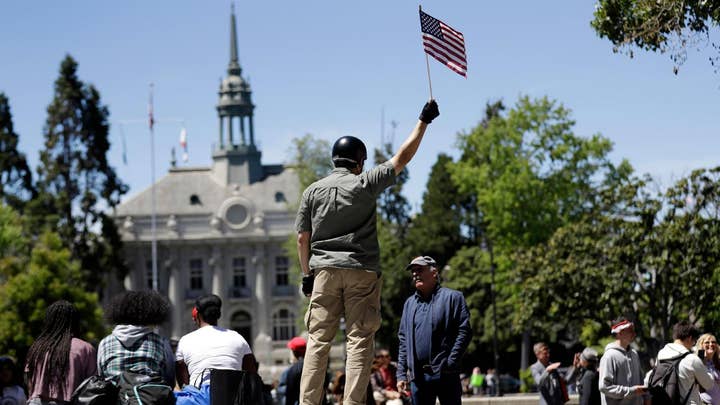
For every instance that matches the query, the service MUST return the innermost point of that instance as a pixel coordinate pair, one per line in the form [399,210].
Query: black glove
[307,284]
[429,112]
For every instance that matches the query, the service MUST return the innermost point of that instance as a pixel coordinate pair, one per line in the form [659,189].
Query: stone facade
[222,230]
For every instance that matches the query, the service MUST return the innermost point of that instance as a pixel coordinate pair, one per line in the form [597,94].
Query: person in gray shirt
[621,378]
[340,259]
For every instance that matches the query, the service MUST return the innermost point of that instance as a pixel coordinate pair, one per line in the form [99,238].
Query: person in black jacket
[588,384]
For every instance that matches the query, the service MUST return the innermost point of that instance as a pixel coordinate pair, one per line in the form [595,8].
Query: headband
[620,326]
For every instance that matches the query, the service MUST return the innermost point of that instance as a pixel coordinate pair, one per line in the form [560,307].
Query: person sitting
[11,392]
[383,380]
[210,346]
[57,361]
[133,345]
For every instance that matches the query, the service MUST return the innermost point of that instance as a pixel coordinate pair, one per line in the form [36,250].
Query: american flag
[443,43]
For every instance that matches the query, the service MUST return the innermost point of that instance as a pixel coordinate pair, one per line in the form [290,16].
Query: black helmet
[349,152]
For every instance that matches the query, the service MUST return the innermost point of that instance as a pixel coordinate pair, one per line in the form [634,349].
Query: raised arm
[410,146]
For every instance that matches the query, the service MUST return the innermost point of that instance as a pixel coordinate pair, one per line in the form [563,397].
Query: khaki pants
[356,293]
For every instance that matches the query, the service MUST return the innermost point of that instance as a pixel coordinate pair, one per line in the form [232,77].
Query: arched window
[241,322]
[283,324]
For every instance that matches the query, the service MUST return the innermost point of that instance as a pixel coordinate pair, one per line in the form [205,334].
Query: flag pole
[153,226]
[427,64]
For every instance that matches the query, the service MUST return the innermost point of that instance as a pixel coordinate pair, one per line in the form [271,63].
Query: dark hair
[53,344]
[684,329]
[140,308]
[8,363]
[208,307]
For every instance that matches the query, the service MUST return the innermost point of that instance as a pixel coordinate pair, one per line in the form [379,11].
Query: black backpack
[235,387]
[95,390]
[140,389]
[664,382]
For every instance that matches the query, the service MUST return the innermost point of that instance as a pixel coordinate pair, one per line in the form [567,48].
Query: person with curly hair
[58,361]
[707,349]
[133,345]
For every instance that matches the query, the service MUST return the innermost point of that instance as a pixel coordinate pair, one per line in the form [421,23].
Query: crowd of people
[617,378]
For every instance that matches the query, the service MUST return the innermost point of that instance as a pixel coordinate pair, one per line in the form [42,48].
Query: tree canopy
[659,25]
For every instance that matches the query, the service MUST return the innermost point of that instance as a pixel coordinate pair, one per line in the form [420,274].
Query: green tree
[76,183]
[310,158]
[665,26]
[529,174]
[15,176]
[35,277]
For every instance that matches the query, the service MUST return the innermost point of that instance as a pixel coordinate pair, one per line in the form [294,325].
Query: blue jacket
[451,333]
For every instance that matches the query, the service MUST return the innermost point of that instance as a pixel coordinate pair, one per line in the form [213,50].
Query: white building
[221,230]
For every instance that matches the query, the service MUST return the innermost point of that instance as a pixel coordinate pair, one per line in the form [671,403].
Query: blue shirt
[423,333]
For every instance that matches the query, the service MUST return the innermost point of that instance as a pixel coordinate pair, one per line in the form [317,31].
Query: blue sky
[329,68]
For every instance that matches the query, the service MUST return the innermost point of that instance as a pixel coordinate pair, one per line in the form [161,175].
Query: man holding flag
[340,260]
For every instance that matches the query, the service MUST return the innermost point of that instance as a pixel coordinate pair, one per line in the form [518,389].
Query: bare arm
[409,147]
[303,248]
[249,363]
[182,374]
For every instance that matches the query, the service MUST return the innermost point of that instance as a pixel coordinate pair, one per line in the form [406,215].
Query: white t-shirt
[211,347]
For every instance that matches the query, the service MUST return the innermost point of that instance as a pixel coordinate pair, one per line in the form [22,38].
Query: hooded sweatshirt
[138,349]
[619,372]
[691,369]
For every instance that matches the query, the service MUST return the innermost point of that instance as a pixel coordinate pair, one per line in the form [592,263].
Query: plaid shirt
[147,356]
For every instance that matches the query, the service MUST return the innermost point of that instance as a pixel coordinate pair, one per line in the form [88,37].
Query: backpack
[95,390]
[664,382]
[235,387]
[140,389]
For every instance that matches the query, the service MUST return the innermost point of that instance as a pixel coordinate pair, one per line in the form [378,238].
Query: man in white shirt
[691,371]
[210,346]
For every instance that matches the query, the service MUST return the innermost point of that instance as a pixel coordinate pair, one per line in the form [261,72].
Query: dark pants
[445,387]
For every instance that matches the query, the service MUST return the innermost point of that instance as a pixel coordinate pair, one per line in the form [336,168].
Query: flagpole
[153,228]
[427,64]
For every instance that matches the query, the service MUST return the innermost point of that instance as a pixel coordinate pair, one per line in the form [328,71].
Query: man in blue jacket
[434,333]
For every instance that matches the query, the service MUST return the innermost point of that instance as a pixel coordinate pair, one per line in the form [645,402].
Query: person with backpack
[621,378]
[133,345]
[689,368]
[58,361]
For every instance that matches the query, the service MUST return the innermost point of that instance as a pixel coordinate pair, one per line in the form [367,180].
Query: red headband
[620,326]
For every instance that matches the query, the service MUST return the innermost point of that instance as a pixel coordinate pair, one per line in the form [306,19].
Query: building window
[196,274]
[148,275]
[281,270]
[283,325]
[241,322]
[239,277]
[280,197]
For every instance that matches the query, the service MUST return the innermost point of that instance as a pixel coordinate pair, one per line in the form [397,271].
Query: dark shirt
[588,388]
[292,390]
[423,333]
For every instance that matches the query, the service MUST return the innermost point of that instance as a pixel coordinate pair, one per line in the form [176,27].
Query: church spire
[234,65]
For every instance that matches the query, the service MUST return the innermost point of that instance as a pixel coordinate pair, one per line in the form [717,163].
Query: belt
[426,368]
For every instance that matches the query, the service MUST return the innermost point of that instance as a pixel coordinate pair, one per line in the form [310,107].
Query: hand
[639,389]
[402,386]
[308,281]
[552,367]
[576,360]
[429,112]
[392,394]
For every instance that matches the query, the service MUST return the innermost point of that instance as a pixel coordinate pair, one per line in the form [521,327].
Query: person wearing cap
[340,259]
[621,379]
[210,346]
[589,380]
[290,379]
[434,334]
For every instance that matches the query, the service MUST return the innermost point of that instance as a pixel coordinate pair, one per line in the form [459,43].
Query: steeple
[234,66]
[237,159]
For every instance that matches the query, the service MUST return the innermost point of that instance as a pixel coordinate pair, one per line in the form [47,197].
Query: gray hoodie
[691,369]
[620,371]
